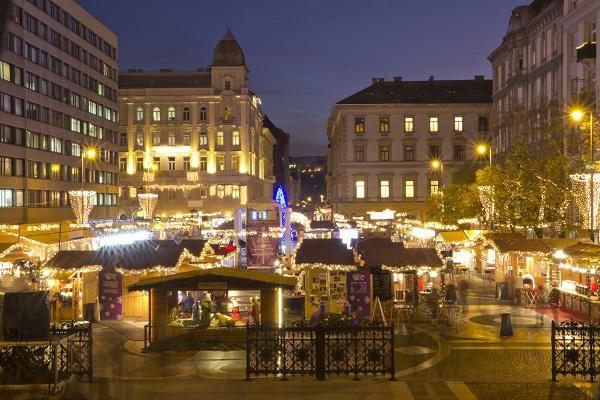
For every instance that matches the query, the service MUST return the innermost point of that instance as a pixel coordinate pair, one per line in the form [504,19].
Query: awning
[452,237]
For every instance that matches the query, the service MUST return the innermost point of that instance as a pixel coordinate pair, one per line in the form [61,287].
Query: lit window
[384,153]
[139,139]
[235,191]
[227,114]
[220,191]
[139,164]
[139,114]
[384,124]
[203,163]
[186,114]
[458,123]
[156,163]
[203,114]
[156,114]
[434,187]
[186,139]
[186,163]
[156,139]
[221,163]
[171,114]
[203,139]
[220,139]
[359,125]
[171,163]
[434,124]
[359,187]
[409,188]
[122,164]
[409,124]
[235,138]
[235,163]
[384,189]
[171,139]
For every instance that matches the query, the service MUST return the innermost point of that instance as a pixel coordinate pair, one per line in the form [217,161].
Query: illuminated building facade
[58,99]
[195,138]
[383,141]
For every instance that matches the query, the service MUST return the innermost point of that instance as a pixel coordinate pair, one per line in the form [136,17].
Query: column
[160,309]
[268,306]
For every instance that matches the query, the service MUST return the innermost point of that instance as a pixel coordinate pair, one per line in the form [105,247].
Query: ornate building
[194,138]
[383,139]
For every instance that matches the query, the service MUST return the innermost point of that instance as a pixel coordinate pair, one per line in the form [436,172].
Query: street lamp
[437,165]
[577,115]
[482,149]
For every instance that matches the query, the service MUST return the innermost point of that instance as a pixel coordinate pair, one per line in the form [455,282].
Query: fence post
[248,350]
[553,340]
[320,352]
[393,341]
[282,348]
[592,338]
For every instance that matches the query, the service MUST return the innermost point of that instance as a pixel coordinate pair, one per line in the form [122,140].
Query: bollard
[505,325]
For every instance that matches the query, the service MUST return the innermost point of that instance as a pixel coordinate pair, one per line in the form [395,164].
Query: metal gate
[575,349]
[329,348]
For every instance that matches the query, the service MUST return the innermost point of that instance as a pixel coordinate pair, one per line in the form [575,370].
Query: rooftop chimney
[431,78]
[397,79]
[377,80]
[479,77]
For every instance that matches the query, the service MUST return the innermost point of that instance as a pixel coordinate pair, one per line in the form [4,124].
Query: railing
[362,348]
[67,351]
[575,349]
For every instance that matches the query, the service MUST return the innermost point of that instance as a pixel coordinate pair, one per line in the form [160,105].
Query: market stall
[462,248]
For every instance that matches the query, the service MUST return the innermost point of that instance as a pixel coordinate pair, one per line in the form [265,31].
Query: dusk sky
[304,56]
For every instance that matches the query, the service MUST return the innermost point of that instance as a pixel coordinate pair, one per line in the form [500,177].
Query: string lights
[148,203]
[486,196]
[82,202]
[581,189]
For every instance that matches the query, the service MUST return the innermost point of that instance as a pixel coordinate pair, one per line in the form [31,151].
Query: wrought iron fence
[67,351]
[575,349]
[328,348]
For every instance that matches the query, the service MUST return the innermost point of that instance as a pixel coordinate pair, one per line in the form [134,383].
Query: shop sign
[111,299]
[212,285]
[262,250]
[382,285]
[359,293]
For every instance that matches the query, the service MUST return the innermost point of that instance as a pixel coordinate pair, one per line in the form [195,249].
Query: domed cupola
[228,52]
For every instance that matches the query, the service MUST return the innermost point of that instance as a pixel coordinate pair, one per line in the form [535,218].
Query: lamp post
[577,115]
[482,149]
[437,165]
[90,154]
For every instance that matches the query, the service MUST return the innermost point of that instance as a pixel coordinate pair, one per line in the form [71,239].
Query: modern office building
[58,103]
[195,138]
[383,139]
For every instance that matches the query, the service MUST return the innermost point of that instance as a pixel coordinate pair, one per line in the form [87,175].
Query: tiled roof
[324,251]
[379,251]
[424,92]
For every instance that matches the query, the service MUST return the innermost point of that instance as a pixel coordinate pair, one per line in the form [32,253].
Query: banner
[359,293]
[111,300]
[262,250]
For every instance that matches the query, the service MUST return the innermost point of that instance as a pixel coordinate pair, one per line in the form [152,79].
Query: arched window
[171,114]
[139,114]
[227,113]
[203,114]
[227,84]
[156,114]
[186,114]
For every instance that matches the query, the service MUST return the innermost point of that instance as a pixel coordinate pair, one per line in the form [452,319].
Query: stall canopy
[376,252]
[452,237]
[324,253]
[414,258]
[531,246]
[234,279]
[583,254]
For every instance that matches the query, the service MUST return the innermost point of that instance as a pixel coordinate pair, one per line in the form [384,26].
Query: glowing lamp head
[435,164]
[481,149]
[154,167]
[55,168]
[576,115]
[90,153]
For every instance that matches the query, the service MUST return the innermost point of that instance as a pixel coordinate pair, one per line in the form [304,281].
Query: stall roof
[324,251]
[324,224]
[379,251]
[452,237]
[414,257]
[546,246]
[584,253]
[235,278]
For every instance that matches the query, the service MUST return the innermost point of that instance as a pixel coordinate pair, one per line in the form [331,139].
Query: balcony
[586,53]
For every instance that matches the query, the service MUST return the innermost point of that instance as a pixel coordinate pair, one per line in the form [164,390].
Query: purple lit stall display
[359,293]
[111,300]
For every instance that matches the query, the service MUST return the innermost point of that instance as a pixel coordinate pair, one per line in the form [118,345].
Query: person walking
[463,288]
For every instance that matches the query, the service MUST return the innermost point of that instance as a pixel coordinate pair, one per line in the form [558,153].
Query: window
[221,163]
[139,139]
[235,162]
[458,123]
[123,139]
[171,194]
[156,114]
[123,164]
[156,163]
[235,138]
[186,114]
[359,125]
[186,139]
[433,124]
[203,114]
[359,153]
[459,152]
[6,197]
[384,189]
[434,186]
[139,164]
[384,124]
[139,114]
[483,124]
[203,163]
[227,85]
[203,139]
[434,151]
[156,139]
[220,191]
[384,153]
[171,163]
[171,113]
[359,189]
[235,192]
[227,114]
[220,139]
[186,163]
[409,188]
[171,139]
[409,153]
[409,124]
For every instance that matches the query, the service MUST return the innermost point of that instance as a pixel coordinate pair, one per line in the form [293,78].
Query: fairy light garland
[82,203]
[581,191]
[486,197]
[148,202]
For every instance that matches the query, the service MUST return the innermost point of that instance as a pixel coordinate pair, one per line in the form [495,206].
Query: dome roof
[228,52]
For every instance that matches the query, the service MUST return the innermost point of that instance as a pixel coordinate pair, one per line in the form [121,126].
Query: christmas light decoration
[192,176]
[148,203]
[581,189]
[486,196]
[82,202]
[299,218]
[148,177]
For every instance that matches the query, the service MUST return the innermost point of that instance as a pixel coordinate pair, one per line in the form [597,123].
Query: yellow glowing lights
[55,168]
[90,153]
[481,149]
[576,115]
[154,167]
[435,164]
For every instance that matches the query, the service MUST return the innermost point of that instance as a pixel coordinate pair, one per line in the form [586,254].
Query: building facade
[58,99]
[382,141]
[194,138]
[548,54]
[309,172]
